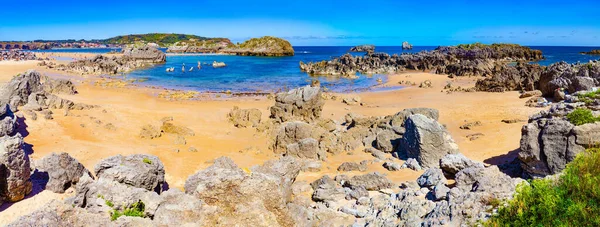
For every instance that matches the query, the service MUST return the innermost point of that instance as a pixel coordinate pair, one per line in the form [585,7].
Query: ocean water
[271,74]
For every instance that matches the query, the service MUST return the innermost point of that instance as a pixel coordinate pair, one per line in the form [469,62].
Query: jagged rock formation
[200,46]
[14,169]
[263,46]
[303,104]
[63,171]
[133,58]
[572,78]
[363,48]
[549,141]
[16,55]
[462,60]
[141,171]
[244,118]
[146,54]
[406,46]
[519,77]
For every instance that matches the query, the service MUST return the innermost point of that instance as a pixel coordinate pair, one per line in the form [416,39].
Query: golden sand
[114,127]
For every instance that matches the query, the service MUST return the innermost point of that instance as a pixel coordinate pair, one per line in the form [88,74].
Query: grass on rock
[571,200]
[582,116]
[136,209]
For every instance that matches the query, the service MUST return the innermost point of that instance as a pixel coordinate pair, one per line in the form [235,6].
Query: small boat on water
[191,68]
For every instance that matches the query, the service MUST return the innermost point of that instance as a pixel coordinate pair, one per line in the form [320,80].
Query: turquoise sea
[268,74]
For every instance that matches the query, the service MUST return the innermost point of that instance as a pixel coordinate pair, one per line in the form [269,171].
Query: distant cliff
[162,39]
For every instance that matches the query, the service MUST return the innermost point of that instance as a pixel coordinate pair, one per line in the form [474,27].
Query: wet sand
[84,134]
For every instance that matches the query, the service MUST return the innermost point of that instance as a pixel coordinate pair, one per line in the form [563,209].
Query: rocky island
[463,60]
[264,46]
[592,52]
[363,48]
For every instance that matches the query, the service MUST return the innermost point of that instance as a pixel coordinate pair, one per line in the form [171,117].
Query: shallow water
[267,74]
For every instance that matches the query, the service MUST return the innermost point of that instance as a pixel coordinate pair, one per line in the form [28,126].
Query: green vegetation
[162,39]
[109,203]
[135,210]
[571,200]
[147,161]
[582,116]
[268,46]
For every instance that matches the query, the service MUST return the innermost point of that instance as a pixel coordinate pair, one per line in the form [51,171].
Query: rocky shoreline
[132,190]
[132,58]
[462,60]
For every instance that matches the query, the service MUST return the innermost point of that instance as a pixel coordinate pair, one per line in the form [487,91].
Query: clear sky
[313,22]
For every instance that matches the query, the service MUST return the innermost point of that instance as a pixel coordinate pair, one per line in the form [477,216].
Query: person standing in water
[183,67]
[199,65]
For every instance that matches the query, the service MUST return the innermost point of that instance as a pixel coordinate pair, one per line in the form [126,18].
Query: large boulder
[244,118]
[399,118]
[138,170]
[453,163]
[547,145]
[14,169]
[301,104]
[63,171]
[294,139]
[487,179]
[363,48]
[8,121]
[370,181]
[16,92]
[57,213]
[256,199]
[59,86]
[426,140]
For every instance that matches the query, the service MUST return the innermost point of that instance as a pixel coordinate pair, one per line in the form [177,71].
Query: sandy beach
[114,127]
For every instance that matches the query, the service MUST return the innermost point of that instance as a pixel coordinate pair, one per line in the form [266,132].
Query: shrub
[582,116]
[136,209]
[572,200]
[147,161]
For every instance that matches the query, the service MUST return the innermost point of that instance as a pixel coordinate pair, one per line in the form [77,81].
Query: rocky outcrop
[363,48]
[263,46]
[406,46]
[519,77]
[145,54]
[141,171]
[454,163]
[549,141]
[462,60]
[59,86]
[257,199]
[15,55]
[63,171]
[592,52]
[14,169]
[200,46]
[573,78]
[132,58]
[295,139]
[303,104]
[426,140]
[244,118]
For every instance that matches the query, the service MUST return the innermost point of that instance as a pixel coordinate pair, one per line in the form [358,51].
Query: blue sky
[313,22]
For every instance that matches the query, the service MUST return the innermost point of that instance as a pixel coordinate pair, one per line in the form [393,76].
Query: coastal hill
[263,46]
[162,39]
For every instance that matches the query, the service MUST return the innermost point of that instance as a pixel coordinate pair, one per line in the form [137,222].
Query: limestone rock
[244,118]
[351,166]
[14,169]
[453,163]
[431,177]
[426,140]
[63,171]
[138,170]
[301,104]
[370,181]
